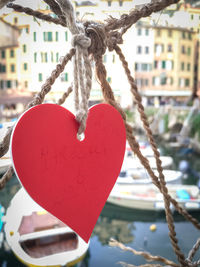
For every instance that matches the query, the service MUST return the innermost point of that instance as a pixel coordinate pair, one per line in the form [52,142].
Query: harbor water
[131,227]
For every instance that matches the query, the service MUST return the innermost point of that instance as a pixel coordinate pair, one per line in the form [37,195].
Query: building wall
[41,45]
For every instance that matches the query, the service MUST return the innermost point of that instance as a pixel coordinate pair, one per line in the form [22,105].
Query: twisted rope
[65,95]
[36,14]
[147,256]
[82,65]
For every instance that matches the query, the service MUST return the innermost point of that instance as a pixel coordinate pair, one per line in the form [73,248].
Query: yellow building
[174,54]
[8,55]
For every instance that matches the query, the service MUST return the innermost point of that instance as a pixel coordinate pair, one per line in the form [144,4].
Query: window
[163,78]
[188,66]
[144,66]
[146,81]
[109,3]
[159,48]
[189,51]
[56,36]
[182,65]
[66,76]
[169,64]
[169,33]
[187,82]
[156,81]
[113,59]
[2,84]
[155,64]
[40,77]
[57,57]
[42,57]
[2,68]
[12,67]
[51,56]
[45,57]
[169,48]
[34,36]
[189,36]
[146,50]
[12,53]
[183,35]
[146,31]
[48,37]
[139,31]
[35,57]
[24,48]
[26,84]
[183,49]
[181,82]
[27,30]
[66,36]
[136,66]
[3,54]
[139,49]
[163,64]
[8,84]
[192,16]
[109,79]
[120,2]
[25,66]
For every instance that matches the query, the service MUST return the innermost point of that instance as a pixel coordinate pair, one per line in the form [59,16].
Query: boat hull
[136,197]
[39,239]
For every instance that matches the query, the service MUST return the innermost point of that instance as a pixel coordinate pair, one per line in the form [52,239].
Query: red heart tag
[69,178]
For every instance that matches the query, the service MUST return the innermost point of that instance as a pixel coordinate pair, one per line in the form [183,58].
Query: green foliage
[150,111]
[129,115]
[195,125]
[166,122]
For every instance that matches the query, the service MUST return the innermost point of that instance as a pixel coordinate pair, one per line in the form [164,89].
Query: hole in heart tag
[70,179]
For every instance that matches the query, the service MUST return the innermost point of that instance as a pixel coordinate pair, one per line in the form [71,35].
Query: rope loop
[81,40]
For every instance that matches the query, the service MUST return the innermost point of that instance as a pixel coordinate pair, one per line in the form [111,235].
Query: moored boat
[148,197]
[5,162]
[134,162]
[140,176]
[38,238]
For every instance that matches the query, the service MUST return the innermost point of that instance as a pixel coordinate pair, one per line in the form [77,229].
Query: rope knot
[113,39]
[81,40]
[96,33]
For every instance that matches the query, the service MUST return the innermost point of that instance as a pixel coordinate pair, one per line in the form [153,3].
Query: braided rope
[36,14]
[147,256]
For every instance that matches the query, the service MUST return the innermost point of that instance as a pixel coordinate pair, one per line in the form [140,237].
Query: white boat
[5,162]
[39,239]
[140,176]
[148,197]
[145,148]
[134,162]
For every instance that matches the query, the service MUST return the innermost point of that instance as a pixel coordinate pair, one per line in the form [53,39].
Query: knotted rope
[82,66]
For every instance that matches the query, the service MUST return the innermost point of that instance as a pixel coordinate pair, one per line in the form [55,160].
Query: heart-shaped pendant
[69,178]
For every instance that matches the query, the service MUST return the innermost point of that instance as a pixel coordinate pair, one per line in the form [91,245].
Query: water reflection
[121,230]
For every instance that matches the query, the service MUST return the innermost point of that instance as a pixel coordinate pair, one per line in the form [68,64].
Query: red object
[69,178]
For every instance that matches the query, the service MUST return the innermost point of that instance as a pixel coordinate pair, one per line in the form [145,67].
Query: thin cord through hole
[81,137]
